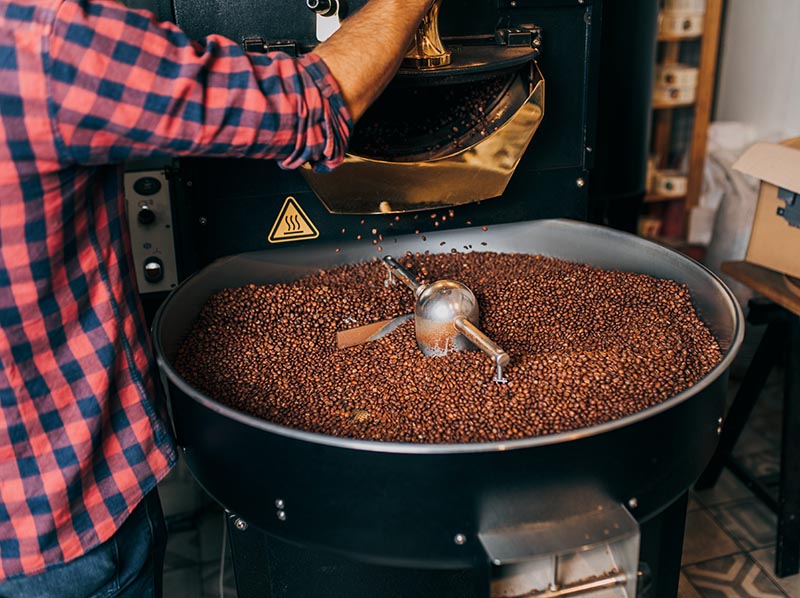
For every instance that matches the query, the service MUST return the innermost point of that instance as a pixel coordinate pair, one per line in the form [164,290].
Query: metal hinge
[520,36]
[257,44]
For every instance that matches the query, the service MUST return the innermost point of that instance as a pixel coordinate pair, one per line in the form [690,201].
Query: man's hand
[365,53]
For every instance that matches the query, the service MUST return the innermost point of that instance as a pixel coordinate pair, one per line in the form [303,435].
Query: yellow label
[292,224]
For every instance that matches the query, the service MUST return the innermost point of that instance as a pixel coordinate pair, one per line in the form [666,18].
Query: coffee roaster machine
[506,113]
[549,100]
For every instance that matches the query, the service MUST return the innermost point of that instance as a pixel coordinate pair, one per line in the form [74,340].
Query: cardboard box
[775,236]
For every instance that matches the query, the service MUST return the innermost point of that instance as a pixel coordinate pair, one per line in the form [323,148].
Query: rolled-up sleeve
[123,86]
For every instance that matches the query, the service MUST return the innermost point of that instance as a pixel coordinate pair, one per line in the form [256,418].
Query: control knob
[324,8]
[153,270]
[146,216]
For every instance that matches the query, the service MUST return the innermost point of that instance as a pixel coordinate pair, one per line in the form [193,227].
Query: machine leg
[662,548]
[787,559]
[755,377]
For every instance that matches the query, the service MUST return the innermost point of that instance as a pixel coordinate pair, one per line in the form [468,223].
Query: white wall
[760,65]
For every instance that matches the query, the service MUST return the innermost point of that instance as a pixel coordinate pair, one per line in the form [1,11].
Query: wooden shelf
[679,38]
[673,212]
[667,106]
[654,197]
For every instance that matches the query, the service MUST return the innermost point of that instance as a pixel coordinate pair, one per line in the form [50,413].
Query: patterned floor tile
[766,559]
[686,589]
[767,424]
[727,489]
[751,523]
[752,441]
[694,504]
[732,576]
[762,464]
[705,539]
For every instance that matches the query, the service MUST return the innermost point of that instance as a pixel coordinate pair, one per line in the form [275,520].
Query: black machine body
[224,207]
[597,74]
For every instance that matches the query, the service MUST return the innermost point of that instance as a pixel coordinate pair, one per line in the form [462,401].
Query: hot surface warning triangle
[292,224]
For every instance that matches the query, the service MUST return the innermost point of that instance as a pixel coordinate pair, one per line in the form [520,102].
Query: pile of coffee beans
[587,346]
[415,121]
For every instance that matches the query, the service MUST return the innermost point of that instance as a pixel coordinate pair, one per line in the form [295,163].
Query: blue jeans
[129,565]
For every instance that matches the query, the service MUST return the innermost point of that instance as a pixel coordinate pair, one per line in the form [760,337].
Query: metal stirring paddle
[445,318]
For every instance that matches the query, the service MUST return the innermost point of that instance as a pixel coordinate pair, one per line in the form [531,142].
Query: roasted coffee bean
[432,120]
[587,346]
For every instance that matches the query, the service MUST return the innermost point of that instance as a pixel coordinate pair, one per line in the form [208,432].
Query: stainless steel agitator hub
[446,318]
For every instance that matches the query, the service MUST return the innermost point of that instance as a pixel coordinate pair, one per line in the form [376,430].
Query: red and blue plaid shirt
[84,86]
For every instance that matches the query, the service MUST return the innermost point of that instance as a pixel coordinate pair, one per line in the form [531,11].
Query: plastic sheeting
[724,215]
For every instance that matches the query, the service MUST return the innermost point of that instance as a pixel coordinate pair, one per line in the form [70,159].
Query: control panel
[147,203]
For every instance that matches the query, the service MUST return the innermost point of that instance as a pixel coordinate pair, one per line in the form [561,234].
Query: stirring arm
[484,343]
[404,275]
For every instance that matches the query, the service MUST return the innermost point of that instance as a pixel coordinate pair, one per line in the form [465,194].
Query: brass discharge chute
[450,129]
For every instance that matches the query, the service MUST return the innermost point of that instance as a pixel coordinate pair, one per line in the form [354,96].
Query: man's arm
[363,62]
[125,87]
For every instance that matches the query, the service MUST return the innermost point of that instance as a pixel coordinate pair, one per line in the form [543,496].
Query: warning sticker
[292,224]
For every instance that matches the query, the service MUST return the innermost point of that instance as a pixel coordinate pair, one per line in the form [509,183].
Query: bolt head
[460,539]
[580,183]
[633,502]
[240,524]
[281,515]
[279,504]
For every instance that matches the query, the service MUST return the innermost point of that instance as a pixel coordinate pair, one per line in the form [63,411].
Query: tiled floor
[729,548]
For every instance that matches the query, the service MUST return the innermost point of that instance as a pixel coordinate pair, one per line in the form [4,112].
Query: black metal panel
[291,20]
[229,207]
[239,200]
[628,46]
[561,139]
[267,567]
